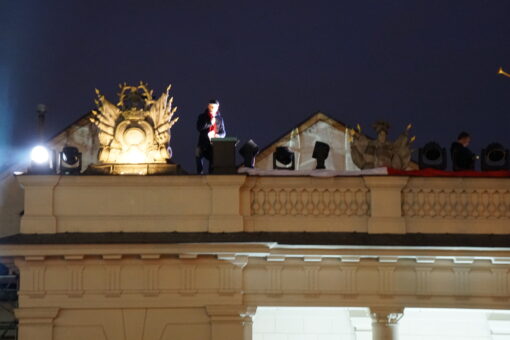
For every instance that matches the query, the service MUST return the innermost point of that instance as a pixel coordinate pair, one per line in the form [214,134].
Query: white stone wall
[302,323]
[297,323]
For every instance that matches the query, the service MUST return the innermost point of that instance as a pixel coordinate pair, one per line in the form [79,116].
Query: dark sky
[271,64]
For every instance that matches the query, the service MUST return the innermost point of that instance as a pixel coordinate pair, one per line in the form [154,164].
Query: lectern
[224,155]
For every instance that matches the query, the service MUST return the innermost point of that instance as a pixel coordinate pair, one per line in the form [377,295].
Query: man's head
[464,138]
[213,106]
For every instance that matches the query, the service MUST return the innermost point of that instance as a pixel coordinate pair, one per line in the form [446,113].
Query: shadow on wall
[11,203]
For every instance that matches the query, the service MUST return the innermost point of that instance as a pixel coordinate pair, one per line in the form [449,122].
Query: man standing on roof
[209,125]
[462,157]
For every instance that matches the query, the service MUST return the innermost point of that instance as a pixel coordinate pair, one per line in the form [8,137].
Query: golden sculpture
[380,152]
[136,130]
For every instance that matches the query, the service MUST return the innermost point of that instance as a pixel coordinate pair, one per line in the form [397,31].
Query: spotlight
[283,159]
[320,153]
[432,156]
[495,157]
[70,161]
[42,161]
[249,150]
[40,155]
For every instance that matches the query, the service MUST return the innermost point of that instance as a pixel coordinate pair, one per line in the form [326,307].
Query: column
[385,322]
[231,322]
[35,323]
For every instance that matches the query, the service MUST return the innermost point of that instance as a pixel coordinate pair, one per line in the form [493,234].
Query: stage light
[283,159]
[70,161]
[40,155]
[432,156]
[42,161]
[320,153]
[249,150]
[495,157]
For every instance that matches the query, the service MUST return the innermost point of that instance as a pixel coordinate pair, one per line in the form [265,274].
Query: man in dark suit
[209,125]
[462,157]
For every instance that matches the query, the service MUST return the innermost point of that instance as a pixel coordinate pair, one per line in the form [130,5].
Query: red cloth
[213,126]
[442,173]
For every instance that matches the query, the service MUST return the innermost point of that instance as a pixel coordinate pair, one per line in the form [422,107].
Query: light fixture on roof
[42,161]
[320,153]
[249,150]
[432,156]
[283,159]
[70,161]
[495,157]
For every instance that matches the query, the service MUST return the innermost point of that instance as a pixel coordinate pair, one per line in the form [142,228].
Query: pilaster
[231,322]
[39,214]
[386,204]
[36,323]
[225,215]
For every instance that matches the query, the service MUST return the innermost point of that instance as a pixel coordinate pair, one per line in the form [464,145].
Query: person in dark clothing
[210,124]
[462,157]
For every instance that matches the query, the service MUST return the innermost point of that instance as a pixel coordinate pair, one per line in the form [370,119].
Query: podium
[224,155]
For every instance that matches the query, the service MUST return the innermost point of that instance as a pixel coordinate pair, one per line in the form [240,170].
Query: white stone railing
[456,199]
[376,204]
[457,204]
[315,198]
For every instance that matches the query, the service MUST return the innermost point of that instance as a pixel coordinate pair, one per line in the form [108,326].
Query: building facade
[193,257]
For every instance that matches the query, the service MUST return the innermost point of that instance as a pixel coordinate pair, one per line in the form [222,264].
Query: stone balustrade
[236,203]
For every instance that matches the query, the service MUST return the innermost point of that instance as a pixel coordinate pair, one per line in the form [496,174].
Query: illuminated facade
[192,257]
[106,256]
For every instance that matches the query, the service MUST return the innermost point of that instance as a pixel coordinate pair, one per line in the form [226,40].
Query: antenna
[41,116]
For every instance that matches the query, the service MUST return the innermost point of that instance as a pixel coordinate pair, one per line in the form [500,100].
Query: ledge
[283,238]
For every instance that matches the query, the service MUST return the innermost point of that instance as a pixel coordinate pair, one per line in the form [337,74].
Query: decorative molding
[151,279]
[226,282]
[312,279]
[461,278]
[75,280]
[187,280]
[423,280]
[275,280]
[500,278]
[112,286]
[349,279]
[386,280]
[36,280]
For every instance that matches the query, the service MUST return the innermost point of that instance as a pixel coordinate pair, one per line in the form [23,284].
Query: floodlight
[495,157]
[283,159]
[432,156]
[70,161]
[40,155]
[320,153]
[42,161]
[249,150]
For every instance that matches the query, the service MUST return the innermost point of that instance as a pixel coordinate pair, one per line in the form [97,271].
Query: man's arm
[221,133]
[203,123]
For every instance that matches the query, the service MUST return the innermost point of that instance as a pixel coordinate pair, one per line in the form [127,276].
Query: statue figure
[137,129]
[380,152]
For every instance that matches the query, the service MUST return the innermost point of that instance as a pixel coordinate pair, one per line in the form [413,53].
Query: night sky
[270,63]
